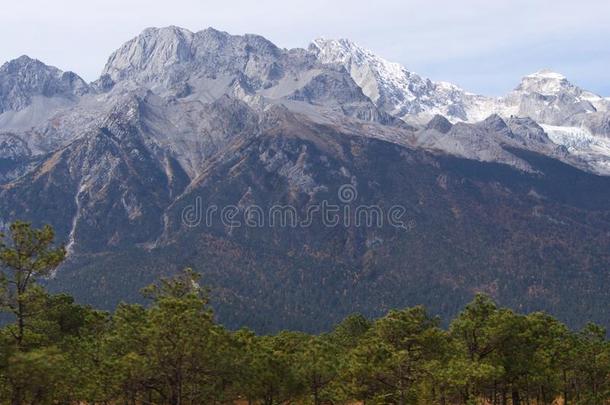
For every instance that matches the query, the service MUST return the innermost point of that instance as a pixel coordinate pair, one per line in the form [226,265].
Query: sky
[485,46]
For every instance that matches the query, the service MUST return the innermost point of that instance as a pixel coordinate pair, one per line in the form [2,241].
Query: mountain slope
[532,240]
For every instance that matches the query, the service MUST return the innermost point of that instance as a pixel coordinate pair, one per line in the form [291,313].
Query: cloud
[484,46]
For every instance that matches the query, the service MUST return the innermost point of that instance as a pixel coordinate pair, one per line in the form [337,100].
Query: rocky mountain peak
[24,78]
[333,76]
[439,123]
[549,98]
[391,86]
[173,57]
[547,74]
[153,51]
[20,63]
[545,82]
[527,128]
[340,51]
[495,122]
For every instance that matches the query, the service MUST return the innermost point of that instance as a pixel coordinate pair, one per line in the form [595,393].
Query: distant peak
[321,42]
[171,29]
[212,30]
[546,82]
[546,74]
[340,49]
[23,78]
[24,60]
[33,66]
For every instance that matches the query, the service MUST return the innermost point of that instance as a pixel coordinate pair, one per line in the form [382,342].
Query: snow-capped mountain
[48,108]
[549,98]
[180,117]
[395,89]
[545,96]
[575,118]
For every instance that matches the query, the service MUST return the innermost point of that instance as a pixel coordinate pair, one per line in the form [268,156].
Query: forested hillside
[172,351]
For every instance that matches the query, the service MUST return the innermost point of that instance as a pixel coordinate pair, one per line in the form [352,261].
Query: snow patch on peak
[346,52]
[336,49]
[375,75]
[549,98]
[391,86]
[546,96]
[547,74]
[545,82]
[448,86]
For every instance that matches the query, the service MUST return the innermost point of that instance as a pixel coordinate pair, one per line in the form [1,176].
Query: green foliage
[28,255]
[173,352]
[390,361]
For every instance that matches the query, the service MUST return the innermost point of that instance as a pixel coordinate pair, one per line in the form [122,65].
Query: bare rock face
[15,157]
[597,123]
[495,123]
[169,56]
[440,124]
[153,53]
[24,78]
[13,147]
[528,129]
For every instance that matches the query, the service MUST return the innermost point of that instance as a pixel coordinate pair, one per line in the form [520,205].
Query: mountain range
[506,195]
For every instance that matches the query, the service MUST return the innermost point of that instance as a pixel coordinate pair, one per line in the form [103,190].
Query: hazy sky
[485,46]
